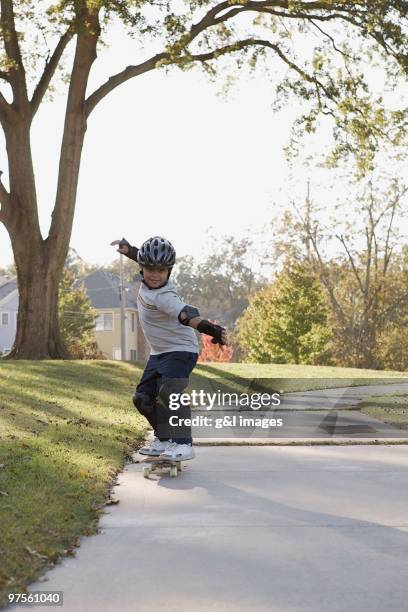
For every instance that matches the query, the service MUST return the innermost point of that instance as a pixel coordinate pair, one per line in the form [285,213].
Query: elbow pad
[190,311]
[211,329]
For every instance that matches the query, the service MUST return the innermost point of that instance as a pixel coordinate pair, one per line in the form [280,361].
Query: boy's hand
[224,338]
[218,333]
[123,246]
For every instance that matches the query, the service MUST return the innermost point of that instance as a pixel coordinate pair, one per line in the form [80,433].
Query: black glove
[211,329]
[132,251]
[123,243]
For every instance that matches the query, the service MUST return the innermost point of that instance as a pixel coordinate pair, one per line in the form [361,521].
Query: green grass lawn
[391,410]
[286,378]
[66,430]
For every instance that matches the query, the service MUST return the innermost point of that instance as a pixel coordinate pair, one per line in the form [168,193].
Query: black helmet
[156,251]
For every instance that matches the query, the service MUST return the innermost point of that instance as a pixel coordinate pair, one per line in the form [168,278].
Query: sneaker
[178,452]
[155,448]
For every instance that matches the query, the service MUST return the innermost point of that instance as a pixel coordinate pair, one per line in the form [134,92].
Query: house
[103,291]
[8,312]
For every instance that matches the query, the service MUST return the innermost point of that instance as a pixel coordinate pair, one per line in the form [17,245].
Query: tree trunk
[40,262]
[38,335]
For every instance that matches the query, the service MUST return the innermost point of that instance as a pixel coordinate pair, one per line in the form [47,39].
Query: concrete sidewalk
[299,529]
[324,415]
[332,426]
[336,398]
[340,397]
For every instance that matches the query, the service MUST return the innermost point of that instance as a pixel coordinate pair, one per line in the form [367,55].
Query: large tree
[324,44]
[365,284]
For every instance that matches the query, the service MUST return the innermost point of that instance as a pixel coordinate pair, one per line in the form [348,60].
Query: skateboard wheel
[173,471]
[146,471]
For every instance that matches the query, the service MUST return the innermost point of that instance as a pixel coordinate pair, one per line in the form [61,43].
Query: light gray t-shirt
[158,316]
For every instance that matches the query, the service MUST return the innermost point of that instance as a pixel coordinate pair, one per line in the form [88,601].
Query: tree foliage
[323,46]
[220,286]
[77,319]
[378,340]
[286,322]
[317,50]
[365,284]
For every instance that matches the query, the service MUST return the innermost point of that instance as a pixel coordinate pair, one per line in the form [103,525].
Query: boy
[167,323]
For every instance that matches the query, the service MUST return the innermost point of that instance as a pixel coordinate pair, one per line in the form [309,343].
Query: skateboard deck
[157,464]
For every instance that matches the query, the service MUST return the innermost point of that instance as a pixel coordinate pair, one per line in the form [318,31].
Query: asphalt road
[266,528]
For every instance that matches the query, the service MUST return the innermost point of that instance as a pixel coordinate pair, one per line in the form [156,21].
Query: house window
[133,355]
[104,322]
[133,321]
[4,318]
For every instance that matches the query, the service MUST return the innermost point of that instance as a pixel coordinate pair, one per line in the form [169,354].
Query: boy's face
[155,275]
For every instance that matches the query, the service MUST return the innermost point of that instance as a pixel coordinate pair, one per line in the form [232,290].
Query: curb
[300,442]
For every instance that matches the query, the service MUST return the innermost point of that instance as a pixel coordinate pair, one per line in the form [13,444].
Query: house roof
[102,289]
[7,286]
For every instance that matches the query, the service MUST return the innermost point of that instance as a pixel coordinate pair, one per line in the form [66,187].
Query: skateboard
[154,464]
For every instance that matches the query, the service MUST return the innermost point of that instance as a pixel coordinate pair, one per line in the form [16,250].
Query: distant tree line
[351,310]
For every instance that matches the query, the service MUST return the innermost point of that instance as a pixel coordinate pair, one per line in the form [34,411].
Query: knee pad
[170,386]
[143,403]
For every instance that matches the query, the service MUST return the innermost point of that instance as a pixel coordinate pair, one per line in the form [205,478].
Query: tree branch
[73,135]
[132,71]
[321,270]
[5,76]
[341,238]
[49,70]
[249,42]
[388,249]
[333,42]
[306,10]
[303,10]
[121,77]
[209,19]
[12,48]
[255,6]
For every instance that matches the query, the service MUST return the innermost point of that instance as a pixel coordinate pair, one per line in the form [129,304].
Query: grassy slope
[66,429]
[391,410]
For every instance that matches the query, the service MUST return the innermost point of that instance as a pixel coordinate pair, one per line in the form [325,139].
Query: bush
[287,321]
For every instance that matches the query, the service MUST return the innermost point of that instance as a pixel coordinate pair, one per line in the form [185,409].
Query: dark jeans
[163,375]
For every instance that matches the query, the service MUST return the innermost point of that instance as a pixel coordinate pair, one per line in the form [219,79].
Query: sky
[165,154]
